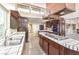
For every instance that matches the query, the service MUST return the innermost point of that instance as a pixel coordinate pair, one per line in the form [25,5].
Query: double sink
[12,45]
[56,37]
[67,42]
[14,41]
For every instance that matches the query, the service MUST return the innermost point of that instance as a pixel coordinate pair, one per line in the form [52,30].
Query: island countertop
[64,41]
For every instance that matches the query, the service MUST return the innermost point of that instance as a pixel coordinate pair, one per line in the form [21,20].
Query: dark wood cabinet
[41,41]
[61,50]
[14,24]
[52,48]
[70,52]
[57,26]
[14,17]
[15,14]
[49,47]
[67,51]
[48,24]
[45,46]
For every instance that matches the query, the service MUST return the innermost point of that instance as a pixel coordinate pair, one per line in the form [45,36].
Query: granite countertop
[9,50]
[13,49]
[66,42]
[45,30]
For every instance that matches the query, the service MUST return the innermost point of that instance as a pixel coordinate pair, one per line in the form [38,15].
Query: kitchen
[39,29]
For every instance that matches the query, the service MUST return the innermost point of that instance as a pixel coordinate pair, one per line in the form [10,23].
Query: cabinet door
[67,51]
[40,42]
[61,50]
[70,52]
[53,50]
[45,46]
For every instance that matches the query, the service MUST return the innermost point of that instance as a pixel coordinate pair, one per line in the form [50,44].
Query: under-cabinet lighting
[62,13]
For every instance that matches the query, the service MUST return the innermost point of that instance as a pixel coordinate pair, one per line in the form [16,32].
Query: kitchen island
[58,45]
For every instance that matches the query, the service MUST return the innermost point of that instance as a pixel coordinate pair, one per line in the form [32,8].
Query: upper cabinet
[14,19]
[61,8]
[15,14]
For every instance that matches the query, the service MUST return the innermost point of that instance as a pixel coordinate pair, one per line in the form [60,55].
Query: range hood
[64,11]
[60,10]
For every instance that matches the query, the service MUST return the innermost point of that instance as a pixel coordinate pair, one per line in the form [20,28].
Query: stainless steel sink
[56,36]
[52,36]
[14,41]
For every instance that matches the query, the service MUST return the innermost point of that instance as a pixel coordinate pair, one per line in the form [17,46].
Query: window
[35,10]
[31,9]
[43,11]
[3,16]
[25,9]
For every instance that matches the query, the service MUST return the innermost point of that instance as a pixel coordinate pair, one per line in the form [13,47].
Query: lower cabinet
[61,50]
[49,47]
[41,42]
[53,50]
[70,52]
[45,46]
[66,51]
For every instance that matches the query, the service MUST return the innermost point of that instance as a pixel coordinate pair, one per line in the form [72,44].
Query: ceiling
[36,20]
[39,4]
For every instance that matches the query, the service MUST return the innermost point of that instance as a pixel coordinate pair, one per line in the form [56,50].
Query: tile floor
[32,47]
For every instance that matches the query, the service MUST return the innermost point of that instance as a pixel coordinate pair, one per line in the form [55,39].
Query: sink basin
[56,37]
[14,41]
[53,36]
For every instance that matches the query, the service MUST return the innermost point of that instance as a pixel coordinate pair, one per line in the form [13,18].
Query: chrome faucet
[5,37]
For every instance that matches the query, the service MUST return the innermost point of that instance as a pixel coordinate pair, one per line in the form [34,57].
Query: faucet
[5,38]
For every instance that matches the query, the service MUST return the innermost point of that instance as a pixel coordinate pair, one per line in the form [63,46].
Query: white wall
[9,6]
[8,24]
[39,4]
[35,28]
